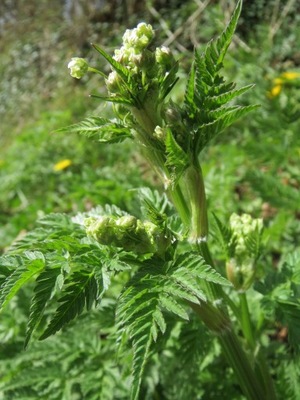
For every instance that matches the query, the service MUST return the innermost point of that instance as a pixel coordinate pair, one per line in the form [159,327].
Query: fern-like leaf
[104,130]
[177,160]
[168,83]
[226,237]
[43,292]
[224,40]
[193,263]
[216,101]
[30,265]
[138,311]
[190,93]
[207,93]
[81,292]
[290,314]
[208,131]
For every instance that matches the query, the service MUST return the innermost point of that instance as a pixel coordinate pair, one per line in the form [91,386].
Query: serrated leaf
[195,263]
[141,351]
[216,101]
[160,320]
[104,130]
[209,131]
[24,273]
[175,289]
[253,243]
[168,83]
[190,92]
[43,291]
[119,68]
[138,311]
[80,293]
[171,305]
[290,310]
[177,159]
[114,99]
[226,237]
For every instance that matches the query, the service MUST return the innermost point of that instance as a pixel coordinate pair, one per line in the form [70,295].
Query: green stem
[216,316]
[197,199]
[180,204]
[246,321]
[240,364]
[262,367]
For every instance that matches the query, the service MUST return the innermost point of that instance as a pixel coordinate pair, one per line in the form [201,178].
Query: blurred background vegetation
[253,167]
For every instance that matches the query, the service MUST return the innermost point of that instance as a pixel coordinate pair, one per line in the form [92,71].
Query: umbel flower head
[78,67]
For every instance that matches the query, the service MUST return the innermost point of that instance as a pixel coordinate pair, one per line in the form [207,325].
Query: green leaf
[225,38]
[207,132]
[177,159]
[168,83]
[114,99]
[253,242]
[225,237]
[138,311]
[195,264]
[30,265]
[290,314]
[119,68]
[170,304]
[80,293]
[43,292]
[215,101]
[190,92]
[104,130]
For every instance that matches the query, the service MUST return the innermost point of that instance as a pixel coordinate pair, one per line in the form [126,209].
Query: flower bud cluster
[127,232]
[144,64]
[241,268]
[78,67]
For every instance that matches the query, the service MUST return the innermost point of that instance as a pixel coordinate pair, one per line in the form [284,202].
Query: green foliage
[101,129]
[55,279]
[207,92]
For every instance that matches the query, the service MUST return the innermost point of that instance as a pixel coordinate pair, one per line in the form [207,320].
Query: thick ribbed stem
[196,196]
[214,313]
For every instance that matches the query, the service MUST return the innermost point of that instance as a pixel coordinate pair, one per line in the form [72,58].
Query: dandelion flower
[290,75]
[274,92]
[61,165]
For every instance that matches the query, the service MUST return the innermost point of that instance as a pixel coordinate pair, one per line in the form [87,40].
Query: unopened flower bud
[78,67]
[164,58]
[113,82]
[173,114]
[139,37]
[127,222]
[159,133]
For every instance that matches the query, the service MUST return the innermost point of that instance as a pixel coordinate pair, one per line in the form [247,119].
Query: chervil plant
[172,300]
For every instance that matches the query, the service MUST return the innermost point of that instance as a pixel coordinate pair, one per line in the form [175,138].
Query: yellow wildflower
[290,75]
[275,91]
[63,164]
